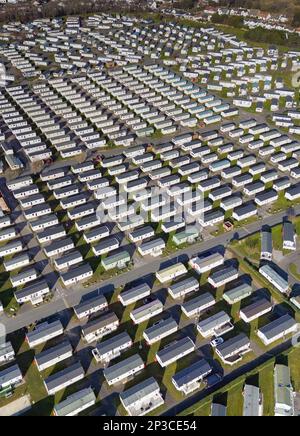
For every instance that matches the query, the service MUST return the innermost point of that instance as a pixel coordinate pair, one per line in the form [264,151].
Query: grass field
[235,401]
[294,364]
[294,270]
[266,383]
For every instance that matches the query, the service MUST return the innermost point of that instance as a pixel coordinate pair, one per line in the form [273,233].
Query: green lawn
[266,384]
[277,237]
[235,401]
[251,247]
[294,364]
[205,410]
[294,270]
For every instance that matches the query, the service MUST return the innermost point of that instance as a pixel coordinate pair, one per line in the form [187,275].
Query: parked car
[216,342]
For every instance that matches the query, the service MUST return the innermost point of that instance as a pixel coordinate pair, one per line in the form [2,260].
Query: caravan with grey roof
[142,398]
[62,379]
[123,371]
[112,348]
[134,294]
[160,330]
[100,327]
[34,293]
[91,306]
[54,355]
[76,403]
[43,333]
[175,351]
[198,304]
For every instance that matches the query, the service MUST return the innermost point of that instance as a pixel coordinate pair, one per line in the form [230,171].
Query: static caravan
[51,234]
[34,293]
[44,222]
[112,348]
[168,274]
[134,294]
[255,310]
[175,351]
[76,275]
[100,327]
[160,330]
[215,325]
[142,398]
[96,234]
[24,277]
[189,379]
[198,304]
[233,350]
[59,247]
[278,329]
[62,379]
[76,403]
[147,311]
[183,287]
[7,353]
[90,306]
[37,211]
[43,333]
[68,260]
[10,377]
[54,355]
[124,370]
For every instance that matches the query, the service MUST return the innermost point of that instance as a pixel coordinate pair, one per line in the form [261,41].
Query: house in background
[253,403]
[289,236]
[266,246]
[284,396]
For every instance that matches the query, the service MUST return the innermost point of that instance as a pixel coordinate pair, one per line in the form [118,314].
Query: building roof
[193,373]
[122,368]
[266,242]
[233,345]
[198,302]
[53,352]
[288,232]
[251,401]
[277,327]
[163,327]
[99,323]
[184,285]
[139,391]
[90,304]
[9,374]
[283,387]
[113,343]
[59,378]
[75,402]
[174,350]
[256,308]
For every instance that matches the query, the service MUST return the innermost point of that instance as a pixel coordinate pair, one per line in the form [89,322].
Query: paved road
[72,297]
